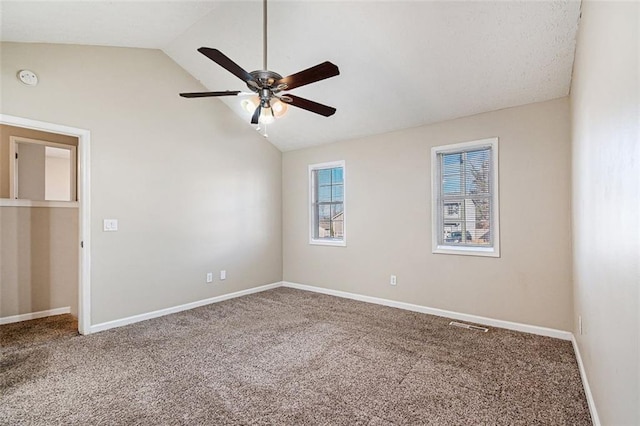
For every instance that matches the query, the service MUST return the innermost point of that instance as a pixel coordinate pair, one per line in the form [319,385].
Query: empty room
[319,212]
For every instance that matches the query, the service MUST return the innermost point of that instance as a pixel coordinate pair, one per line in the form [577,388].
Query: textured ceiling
[402,64]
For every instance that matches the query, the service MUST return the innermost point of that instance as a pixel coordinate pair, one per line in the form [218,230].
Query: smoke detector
[28,77]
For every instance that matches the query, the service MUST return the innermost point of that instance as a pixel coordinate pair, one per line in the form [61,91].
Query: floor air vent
[468,326]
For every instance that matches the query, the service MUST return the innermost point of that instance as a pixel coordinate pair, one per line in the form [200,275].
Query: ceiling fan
[267,85]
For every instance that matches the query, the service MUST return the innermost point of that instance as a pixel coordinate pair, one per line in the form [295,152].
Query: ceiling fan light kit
[267,115]
[266,102]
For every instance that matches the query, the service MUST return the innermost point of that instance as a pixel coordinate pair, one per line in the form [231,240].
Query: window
[464,183]
[327,207]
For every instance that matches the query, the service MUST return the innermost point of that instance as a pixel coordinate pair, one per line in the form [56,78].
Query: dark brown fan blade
[219,58]
[256,115]
[207,94]
[312,106]
[310,75]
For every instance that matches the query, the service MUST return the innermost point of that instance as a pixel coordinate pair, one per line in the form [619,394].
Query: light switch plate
[110,225]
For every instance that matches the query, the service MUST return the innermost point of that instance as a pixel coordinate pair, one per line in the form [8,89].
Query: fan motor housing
[265,80]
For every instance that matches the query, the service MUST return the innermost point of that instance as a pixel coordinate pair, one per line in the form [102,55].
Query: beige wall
[57,182]
[389,219]
[606,205]
[38,259]
[6,132]
[31,171]
[194,188]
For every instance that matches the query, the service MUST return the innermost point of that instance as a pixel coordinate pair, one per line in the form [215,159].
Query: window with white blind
[464,184]
[327,204]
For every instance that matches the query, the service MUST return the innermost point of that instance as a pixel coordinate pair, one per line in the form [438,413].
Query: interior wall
[58,177]
[38,259]
[388,222]
[194,188]
[606,206]
[7,131]
[31,172]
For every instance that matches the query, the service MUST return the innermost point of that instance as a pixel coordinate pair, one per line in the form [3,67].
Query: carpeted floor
[21,335]
[287,356]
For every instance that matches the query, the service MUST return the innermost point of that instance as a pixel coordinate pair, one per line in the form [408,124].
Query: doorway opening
[78,189]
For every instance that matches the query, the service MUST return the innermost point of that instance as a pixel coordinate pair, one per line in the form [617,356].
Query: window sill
[467,251]
[335,243]
[8,202]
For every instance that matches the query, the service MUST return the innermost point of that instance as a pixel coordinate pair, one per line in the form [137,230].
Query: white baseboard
[585,384]
[34,315]
[526,328]
[172,310]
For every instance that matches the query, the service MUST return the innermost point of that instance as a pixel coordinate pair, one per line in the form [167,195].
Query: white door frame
[84,204]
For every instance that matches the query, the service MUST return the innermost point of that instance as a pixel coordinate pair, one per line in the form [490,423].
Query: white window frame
[436,211]
[327,242]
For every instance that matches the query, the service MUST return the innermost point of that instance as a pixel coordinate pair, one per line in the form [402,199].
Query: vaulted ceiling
[402,63]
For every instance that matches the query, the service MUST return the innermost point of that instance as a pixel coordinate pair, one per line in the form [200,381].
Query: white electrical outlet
[223,275]
[209,277]
[393,281]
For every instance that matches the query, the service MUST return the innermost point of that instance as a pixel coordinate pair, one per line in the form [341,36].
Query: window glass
[327,203]
[465,198]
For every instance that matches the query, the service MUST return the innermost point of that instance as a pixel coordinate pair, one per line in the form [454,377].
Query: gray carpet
[21,335]
[287,356]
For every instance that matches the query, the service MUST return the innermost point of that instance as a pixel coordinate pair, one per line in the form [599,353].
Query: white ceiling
[402,63]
